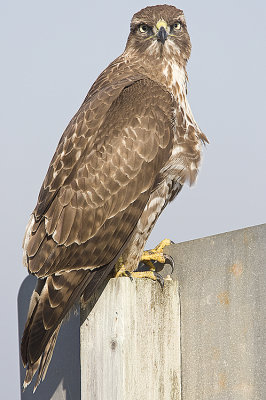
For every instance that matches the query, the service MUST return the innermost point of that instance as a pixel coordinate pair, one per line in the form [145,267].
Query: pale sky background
[52,51]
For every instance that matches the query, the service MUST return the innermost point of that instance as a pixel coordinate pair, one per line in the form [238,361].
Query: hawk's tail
[42,363]
[51,300]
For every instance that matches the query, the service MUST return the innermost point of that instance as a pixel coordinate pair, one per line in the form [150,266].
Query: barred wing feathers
[93,196]
[97,186]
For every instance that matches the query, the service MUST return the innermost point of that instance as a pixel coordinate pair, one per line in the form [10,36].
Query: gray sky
[52,51]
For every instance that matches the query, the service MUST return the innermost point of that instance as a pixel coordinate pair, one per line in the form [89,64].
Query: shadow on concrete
[63,374]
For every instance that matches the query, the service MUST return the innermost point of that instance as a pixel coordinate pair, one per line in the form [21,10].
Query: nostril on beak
[162,35]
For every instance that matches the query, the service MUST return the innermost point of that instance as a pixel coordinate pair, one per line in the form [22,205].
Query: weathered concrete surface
[130,343]
[222,282]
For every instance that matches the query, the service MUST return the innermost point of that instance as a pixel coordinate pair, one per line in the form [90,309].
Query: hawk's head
[159,31]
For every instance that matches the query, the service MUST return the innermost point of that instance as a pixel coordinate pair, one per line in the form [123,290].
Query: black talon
[169,260]
[172,242]
[159,279]
[128,274]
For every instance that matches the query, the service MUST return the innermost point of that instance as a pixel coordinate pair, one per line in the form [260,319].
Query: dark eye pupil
[144,27]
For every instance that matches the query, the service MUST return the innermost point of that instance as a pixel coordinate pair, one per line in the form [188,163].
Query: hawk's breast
[185,158]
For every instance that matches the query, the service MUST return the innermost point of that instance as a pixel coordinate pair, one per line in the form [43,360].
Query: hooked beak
[162,35]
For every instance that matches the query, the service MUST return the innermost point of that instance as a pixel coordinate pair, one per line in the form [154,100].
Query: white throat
[176,81]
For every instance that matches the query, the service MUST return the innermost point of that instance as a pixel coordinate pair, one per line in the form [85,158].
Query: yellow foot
[147,257]
[141,274]
[157,254]
[148,274]
[121,271]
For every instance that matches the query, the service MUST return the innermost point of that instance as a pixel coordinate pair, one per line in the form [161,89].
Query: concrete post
[130,343]
[222,284]
[131,340]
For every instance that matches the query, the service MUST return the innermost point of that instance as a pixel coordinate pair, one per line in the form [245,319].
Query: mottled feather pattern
[112,180]
[125,154]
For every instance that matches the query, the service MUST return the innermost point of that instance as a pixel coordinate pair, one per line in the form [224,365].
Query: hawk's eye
[143,28]
[177,25]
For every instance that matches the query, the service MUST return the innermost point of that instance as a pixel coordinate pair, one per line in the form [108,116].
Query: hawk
[123,157]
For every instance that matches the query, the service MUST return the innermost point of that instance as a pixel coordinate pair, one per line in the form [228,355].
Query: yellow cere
[161,23]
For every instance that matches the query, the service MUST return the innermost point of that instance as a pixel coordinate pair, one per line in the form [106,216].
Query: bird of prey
[123,157]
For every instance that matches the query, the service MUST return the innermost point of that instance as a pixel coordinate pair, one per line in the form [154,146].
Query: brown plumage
[125,154]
